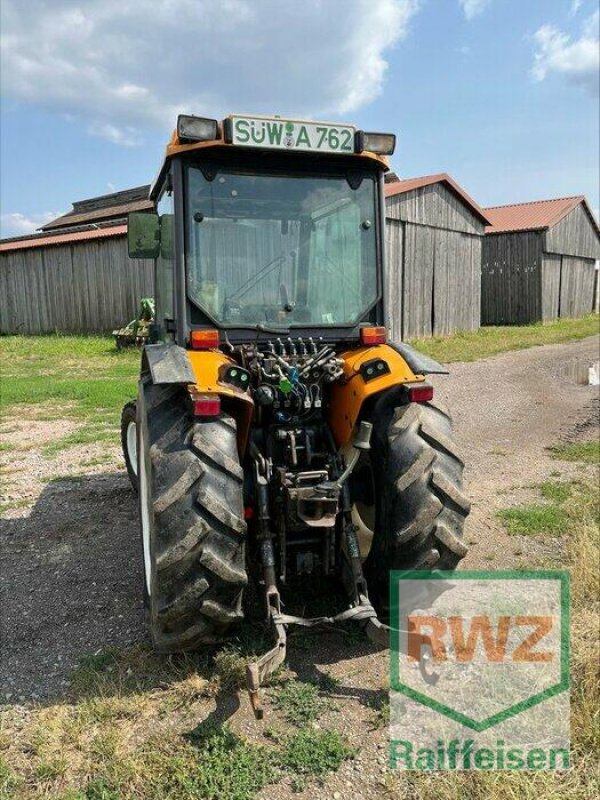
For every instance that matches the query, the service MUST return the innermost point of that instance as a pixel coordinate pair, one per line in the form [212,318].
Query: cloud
[17,224]
[575,6]
[124,67]
[472,8]
[578,60]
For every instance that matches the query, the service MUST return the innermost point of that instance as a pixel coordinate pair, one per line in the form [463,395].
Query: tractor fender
[419,362]
[199,370]
[167,363]
[356,385]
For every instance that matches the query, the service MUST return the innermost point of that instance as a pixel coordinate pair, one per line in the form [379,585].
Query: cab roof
[219,145]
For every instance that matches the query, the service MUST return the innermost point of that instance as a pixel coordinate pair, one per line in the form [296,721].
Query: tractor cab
[267,226]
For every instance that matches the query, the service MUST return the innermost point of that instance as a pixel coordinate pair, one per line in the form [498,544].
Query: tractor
[277,435]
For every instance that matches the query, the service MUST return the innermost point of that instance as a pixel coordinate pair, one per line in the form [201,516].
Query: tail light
[206,339]
[206,405]
[373,335]
[419,392]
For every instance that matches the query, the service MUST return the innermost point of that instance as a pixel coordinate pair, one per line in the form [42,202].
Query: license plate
[286,134]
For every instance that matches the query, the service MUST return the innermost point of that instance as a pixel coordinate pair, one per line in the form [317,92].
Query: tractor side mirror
[143,235]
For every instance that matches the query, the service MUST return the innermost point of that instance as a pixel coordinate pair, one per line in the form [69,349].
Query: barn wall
[511,278]
[575,235]
[433,244]
[394,272]
[576,286]
[551,267]
[84,287]
[435,206]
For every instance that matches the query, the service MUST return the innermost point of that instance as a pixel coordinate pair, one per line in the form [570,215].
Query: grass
[128,729]
[81,378]
[548,518]
[489,341]
[583,452]
[580,554]
[534,520]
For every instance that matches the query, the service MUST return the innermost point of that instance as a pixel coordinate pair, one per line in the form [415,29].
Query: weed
[99,789]
[228,766]
[310,752]
[9,782]
[329,684]
[51,769]
[230,665]
[300,702]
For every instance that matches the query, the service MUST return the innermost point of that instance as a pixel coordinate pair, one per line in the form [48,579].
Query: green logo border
[481,725]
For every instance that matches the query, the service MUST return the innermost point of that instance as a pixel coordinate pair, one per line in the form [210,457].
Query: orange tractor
[277,434]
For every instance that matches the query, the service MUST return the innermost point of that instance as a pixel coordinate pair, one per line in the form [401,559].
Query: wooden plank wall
[511,278]
[576,286]
[84,287]
[394,287]
[550,286]
[575,235]
[433,245]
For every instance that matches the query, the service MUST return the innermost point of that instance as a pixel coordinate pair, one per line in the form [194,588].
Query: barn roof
[48,239]
[535,215]
[409,184]
[109,207]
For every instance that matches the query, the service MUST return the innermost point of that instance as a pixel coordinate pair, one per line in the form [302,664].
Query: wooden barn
[434,235]
[75,276]
[539,261]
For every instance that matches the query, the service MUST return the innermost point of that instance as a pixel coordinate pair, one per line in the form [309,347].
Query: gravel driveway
[70,563]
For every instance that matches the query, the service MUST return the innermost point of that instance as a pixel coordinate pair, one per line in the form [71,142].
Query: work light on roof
[196,129]
[381,143]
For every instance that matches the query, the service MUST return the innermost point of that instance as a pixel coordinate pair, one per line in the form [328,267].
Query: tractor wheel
[129,442]
[420,507]
[193,529]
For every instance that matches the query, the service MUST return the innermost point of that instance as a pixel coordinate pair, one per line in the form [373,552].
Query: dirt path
[70,564]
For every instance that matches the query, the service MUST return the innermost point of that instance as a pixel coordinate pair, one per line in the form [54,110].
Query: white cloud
[575,6]
[17,224]
[577,59]
[126,66]
[472,8]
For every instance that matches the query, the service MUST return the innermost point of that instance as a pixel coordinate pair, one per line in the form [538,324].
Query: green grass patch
[228,766]
[9,781]
[489,341]
[534,520]
[83,378]
[300,702]
[556,491]
[310,752]
[583,452]
[550,517]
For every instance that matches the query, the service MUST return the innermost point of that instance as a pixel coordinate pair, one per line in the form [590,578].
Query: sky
[501,94]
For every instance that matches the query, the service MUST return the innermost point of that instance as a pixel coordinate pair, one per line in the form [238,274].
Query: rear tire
[420,506]
[193,529]
[129,442]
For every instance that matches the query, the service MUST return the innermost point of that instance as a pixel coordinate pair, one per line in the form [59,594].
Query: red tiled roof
[536,215]
[46,240]
[121,210]
[408,184]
